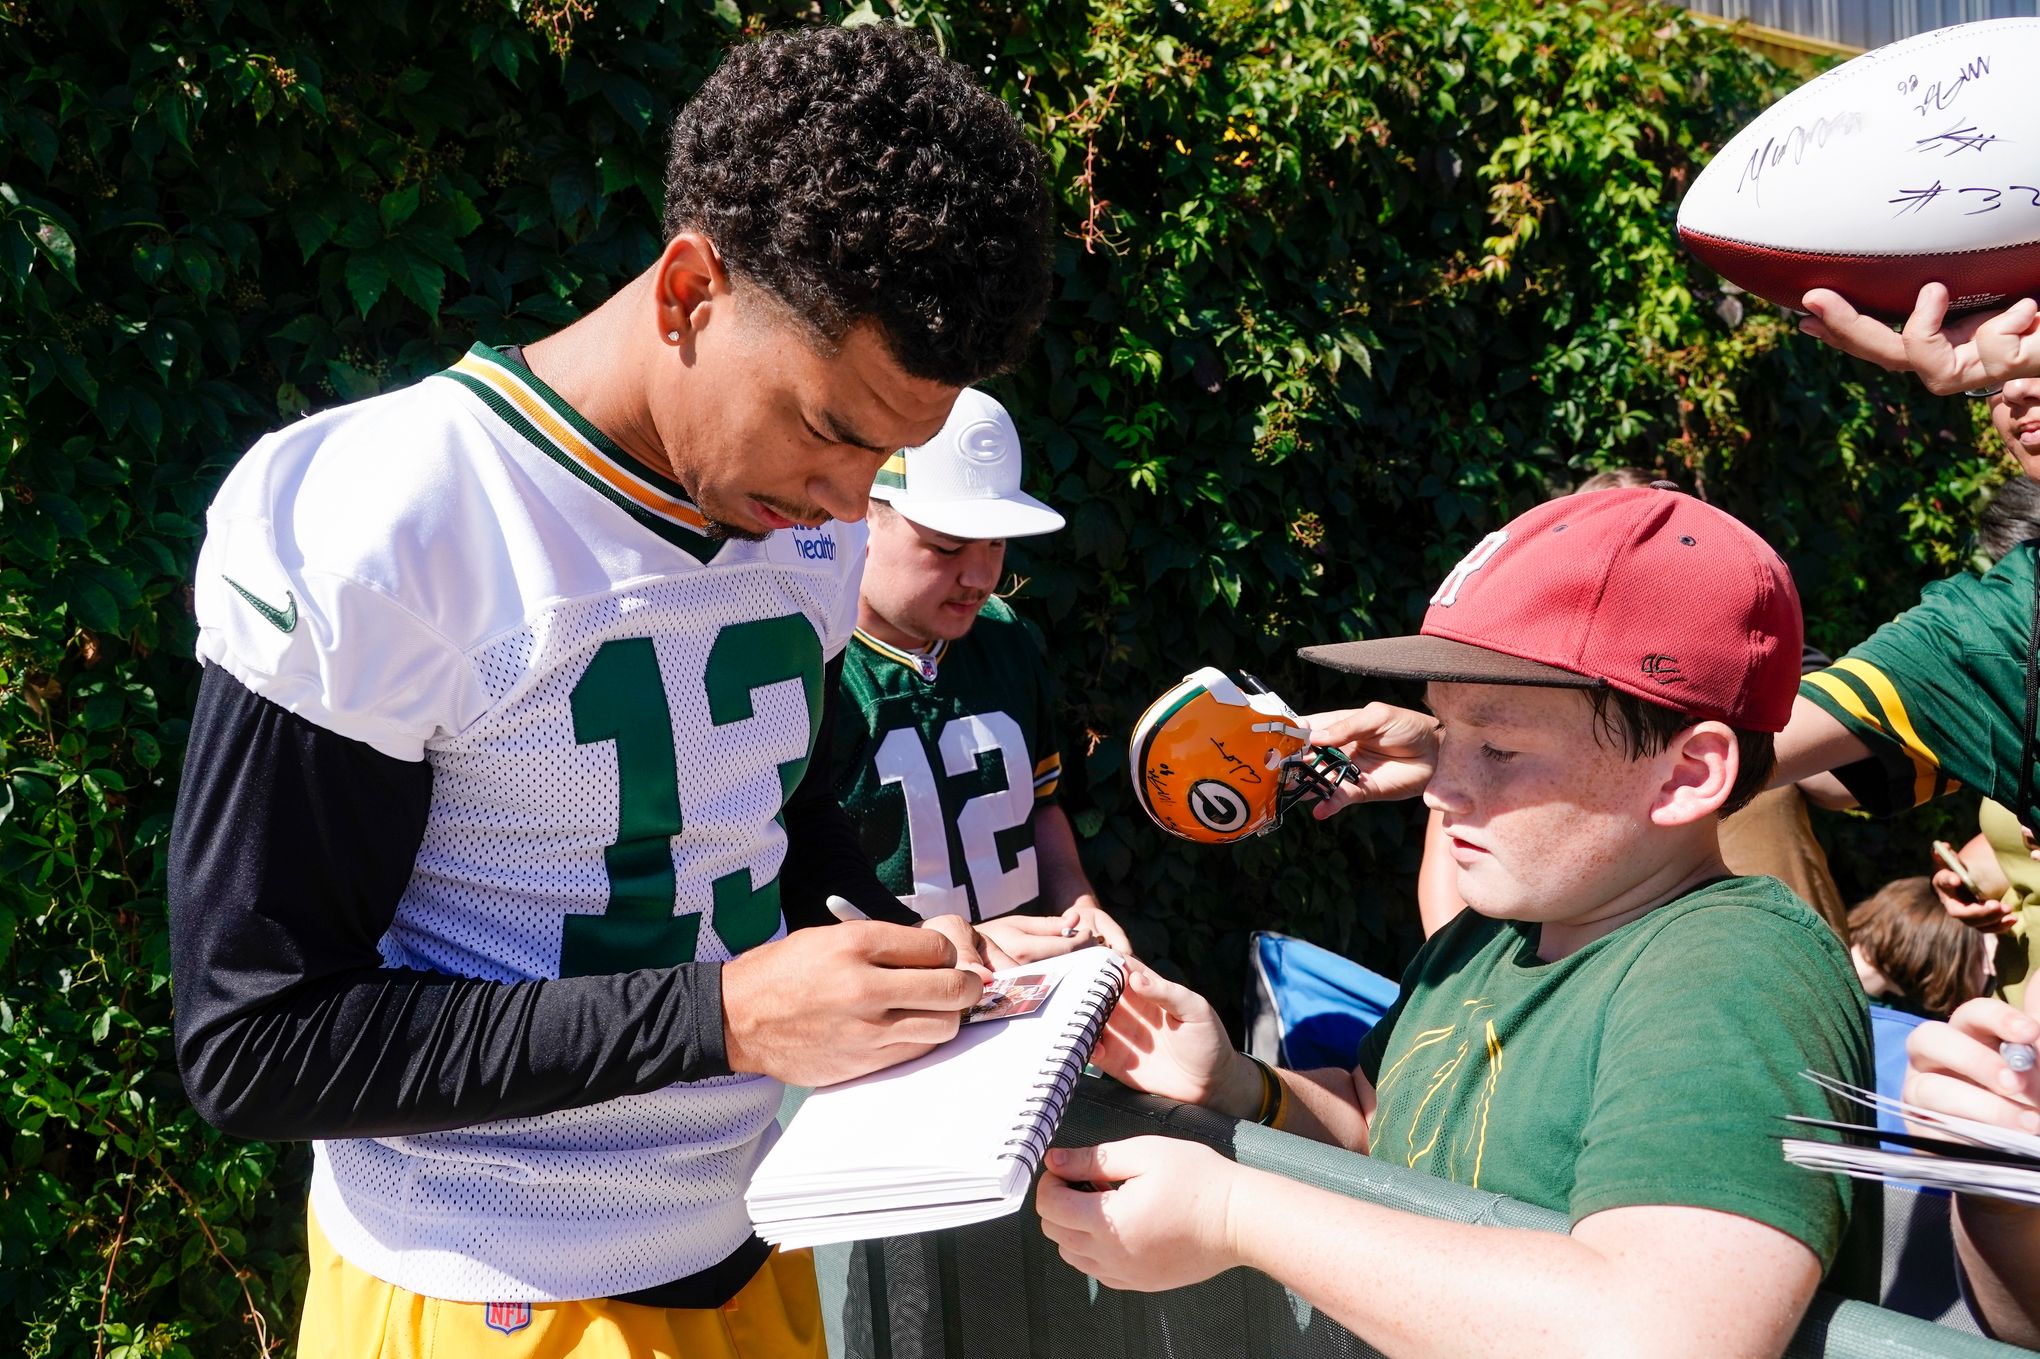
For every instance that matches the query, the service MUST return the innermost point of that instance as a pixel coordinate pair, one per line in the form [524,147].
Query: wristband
[1274,1095]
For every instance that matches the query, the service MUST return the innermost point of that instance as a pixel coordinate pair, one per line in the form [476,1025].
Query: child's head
[1608,672]
[1910,952]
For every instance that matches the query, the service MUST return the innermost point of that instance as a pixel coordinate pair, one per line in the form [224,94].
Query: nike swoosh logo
[283,620]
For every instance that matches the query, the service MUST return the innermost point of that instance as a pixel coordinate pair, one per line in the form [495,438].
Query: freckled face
[2015,414]
[1543,822]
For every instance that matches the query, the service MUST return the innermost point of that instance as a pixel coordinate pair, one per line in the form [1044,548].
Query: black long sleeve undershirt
[291,848]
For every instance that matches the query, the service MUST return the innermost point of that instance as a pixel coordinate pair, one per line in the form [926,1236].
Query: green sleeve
[1936,694]
[1376,1041]
[1700,1057]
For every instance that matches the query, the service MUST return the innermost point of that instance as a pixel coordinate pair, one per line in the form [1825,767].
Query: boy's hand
[1956,1068]
[1392,749]
[1164,1221]
[1166,1039]
[1975,351]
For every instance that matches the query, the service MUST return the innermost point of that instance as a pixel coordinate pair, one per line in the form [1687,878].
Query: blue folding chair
[1308,1007]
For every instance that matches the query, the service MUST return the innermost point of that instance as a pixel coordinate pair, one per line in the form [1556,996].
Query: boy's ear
[1700,766]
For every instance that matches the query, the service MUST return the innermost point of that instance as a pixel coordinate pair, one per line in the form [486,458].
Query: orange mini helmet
[1221,757]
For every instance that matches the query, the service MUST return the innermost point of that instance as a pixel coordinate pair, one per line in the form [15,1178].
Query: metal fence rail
[1861,23]
[999,1288]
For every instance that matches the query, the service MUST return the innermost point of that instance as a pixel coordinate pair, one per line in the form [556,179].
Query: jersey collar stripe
[911,660]
[541,420]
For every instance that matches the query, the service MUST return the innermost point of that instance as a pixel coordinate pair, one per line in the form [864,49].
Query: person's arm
[1812,744]
[1438,898]
[1166,1040]
[1976,351]
[1827,792]
[1956,1068]
[1642,1280]
[824,855]
[291,848]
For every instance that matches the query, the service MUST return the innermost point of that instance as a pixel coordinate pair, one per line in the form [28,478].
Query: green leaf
[367,279]
[397,206]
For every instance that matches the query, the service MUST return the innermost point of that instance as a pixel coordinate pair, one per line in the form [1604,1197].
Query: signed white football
[1916,163]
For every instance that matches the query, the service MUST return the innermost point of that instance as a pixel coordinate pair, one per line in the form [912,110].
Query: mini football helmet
[1221,757]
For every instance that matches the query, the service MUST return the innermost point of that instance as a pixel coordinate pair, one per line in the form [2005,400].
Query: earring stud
[672,337]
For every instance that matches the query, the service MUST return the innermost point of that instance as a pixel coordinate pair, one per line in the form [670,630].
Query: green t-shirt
[1939,696]
[1650,1067]
[941,758]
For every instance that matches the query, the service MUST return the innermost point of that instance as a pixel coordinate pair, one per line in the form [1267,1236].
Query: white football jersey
[615,706]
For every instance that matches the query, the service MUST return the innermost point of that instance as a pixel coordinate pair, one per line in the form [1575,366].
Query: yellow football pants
[351,1314]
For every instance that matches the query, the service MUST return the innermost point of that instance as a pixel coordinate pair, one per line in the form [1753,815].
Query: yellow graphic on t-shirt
[1450,1046]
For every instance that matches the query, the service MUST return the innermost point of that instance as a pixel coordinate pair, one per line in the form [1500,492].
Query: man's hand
[1166,1039]
[1164,1222]
[822,1006]
[1030,938]
[1984,909]
[975,952]
[1392,749]
[1976,351]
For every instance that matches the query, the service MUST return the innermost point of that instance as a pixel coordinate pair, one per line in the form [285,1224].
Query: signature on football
[1792,145]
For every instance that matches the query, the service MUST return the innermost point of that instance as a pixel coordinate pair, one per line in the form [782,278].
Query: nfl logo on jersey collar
[966,480]
[507,1317]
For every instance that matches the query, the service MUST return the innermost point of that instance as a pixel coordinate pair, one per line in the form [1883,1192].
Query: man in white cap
[952,771]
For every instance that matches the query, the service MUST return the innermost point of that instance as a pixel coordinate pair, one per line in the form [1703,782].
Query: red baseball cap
[1642,589]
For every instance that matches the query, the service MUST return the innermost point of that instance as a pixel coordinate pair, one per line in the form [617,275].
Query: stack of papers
[1962,1156]
[955,1135]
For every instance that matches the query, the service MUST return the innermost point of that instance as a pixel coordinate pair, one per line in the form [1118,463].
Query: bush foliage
[1344,284]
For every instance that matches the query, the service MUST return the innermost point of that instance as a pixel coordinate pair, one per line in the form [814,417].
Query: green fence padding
[999,1287]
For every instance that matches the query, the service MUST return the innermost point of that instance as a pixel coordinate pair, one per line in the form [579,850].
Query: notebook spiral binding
[1043,1109]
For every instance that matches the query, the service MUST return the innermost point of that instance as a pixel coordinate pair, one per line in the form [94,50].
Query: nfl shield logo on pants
[507,1317]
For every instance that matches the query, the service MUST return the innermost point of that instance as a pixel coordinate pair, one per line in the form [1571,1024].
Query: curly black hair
[856,175]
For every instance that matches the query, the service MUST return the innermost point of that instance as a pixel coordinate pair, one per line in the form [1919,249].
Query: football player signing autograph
[495,818]
[1611,1029]
[945,748]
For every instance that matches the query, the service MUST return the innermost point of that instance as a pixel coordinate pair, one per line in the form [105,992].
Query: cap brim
[1441,658]
[1017,516]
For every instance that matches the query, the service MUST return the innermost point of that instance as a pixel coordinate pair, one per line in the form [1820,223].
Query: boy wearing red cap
[1611,1030]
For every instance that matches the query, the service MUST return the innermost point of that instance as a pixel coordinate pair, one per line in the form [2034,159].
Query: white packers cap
[965,482]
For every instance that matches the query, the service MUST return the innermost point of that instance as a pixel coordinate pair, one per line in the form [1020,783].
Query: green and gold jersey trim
[893,474]
[1867,694]
[926,664]
[565,436]
[1047,776]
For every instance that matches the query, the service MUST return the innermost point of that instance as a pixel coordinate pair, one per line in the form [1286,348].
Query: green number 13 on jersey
[621,697]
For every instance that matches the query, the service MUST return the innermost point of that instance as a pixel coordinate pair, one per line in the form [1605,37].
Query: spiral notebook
[953,1136]
[1967,1157]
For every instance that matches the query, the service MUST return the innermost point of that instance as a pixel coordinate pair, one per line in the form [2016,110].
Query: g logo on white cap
[984,442]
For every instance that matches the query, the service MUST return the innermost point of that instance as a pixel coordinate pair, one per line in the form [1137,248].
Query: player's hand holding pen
[822,1006]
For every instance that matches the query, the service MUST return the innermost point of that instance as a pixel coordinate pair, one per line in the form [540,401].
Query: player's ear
[1700,767]
[688,278]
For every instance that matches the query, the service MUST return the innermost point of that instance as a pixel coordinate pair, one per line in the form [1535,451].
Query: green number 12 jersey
[941,757]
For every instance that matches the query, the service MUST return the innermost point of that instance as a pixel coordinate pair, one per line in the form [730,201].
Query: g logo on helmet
[1217,806]
[1219,757]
